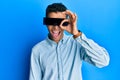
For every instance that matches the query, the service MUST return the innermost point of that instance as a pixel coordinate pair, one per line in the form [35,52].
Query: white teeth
[55,32]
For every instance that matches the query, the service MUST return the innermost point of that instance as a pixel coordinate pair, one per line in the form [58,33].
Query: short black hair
[55,7]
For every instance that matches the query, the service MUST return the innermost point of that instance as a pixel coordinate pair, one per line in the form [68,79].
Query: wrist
[77,34]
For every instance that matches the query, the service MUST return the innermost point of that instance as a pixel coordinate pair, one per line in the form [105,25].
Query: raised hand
[72,26]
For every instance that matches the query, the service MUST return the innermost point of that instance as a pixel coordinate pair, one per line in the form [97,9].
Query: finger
[70,14]
[61,24]
[75,17]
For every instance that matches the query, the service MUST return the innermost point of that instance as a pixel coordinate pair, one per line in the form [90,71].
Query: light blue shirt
[63,61]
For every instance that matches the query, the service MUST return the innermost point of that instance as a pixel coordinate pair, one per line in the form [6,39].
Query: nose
[55,26]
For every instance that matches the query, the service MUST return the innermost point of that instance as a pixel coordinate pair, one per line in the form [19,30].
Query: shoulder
[39,46]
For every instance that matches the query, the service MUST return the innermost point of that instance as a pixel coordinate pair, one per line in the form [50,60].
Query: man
[59,57]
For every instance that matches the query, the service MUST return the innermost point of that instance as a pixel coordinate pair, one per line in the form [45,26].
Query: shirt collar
[63,40]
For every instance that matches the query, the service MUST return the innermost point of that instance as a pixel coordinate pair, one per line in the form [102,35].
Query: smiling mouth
[55,34]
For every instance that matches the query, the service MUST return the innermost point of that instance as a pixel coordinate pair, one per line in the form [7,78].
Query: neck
[49,36]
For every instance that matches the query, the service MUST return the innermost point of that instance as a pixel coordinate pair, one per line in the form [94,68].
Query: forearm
[98,55]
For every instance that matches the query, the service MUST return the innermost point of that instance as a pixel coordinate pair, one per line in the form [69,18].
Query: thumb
[64,24]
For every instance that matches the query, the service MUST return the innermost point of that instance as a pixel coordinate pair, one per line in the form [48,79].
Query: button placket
[59,62]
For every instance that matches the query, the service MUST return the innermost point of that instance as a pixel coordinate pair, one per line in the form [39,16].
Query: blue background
[21,28]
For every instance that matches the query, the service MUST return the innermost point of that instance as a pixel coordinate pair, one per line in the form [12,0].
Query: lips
[55,34]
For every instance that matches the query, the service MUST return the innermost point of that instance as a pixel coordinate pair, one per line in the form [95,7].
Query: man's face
[56,33]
